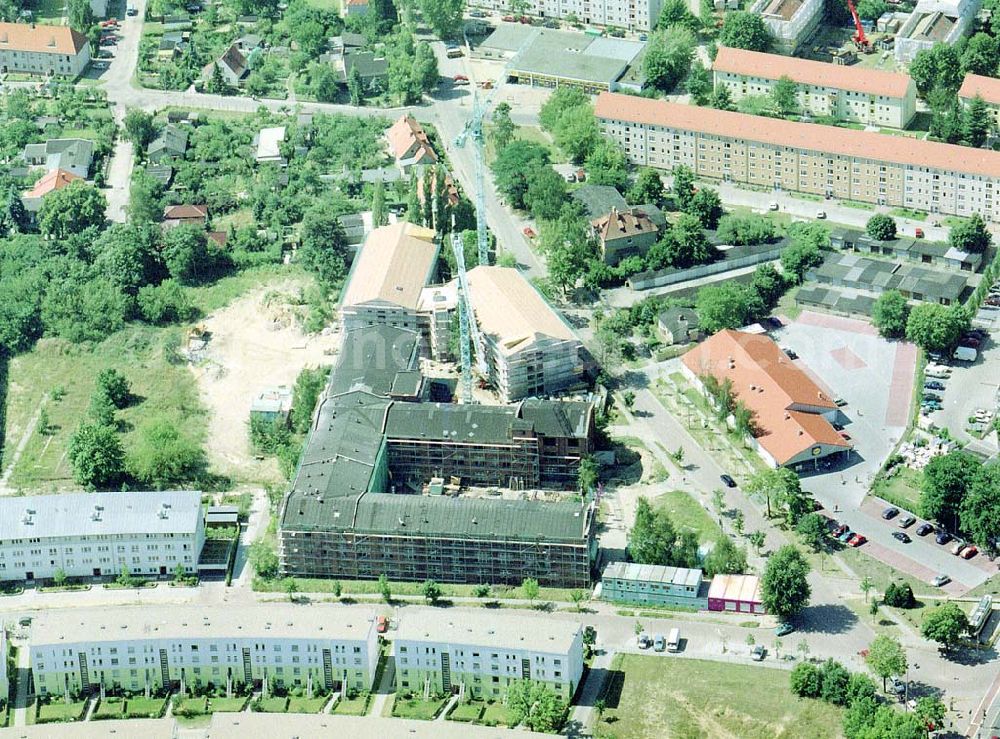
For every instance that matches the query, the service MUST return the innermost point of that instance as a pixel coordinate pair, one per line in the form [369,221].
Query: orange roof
[988,88]
[404,133]
[394,265]
[786,403]
[809,136]
[185,212]
[619,224]
[54,180]
[807,72]
[41,39]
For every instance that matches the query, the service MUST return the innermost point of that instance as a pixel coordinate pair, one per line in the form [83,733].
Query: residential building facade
[632,15]
[409,144]
[791,22]
[484,654]
[135,649]
[99,534]
[988,88]
[69,155]
[624,233]
[804,157]
[855,94]
[43,49]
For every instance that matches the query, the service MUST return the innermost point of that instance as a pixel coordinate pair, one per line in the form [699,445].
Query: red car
[529,232]
[856,541]
[381,624]
[509,19]
[969,553]
[919,233]
[461,79]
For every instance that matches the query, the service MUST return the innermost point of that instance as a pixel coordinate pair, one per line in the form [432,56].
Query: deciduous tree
[886,657]
[946,624]
[881,227]
[784,586]
[71,210]
[97,456]
[890,313]
[745,30]
[971,235]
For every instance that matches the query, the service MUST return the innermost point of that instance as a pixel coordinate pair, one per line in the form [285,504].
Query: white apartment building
[140,648]
[933,22]
[987,88]
[43,49]
[633,15]
[485,653]
[805,157]
[868,96]
[96,534]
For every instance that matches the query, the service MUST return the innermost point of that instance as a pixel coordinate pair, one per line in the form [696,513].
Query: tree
[682,186]
[101,410]
[890,313]
[568,247]
[577,132]
[546,193]
[530,589]
[866,585]
[180,574]
[145,199]
[379,215]
[414,213]
[79,15]
[872,10]
[427,190]
[706,205]
[668,57]
[676,13]
[503,130]
[683,245]
[980,509]
[835,680]
[812,528]
[881,227]
[977,122]
[745,30]
[727,305]
[757,539]
[587,475]
[647,188]
[899,595]
[773,485]
[768,283]
[699,84]
[188,255]
[971,235]
[125,579]
[431,591]
[59,577]
[784,587]
[606,164]
[162,456]
[139,128]
[980,55]
[936,327]
[725,558]
[806,680]
[338,589]
[936,68]
[785,96]
[323,249]
[71,210]
[721,98]
[560,101]
[115,386]
[886,657]
[946,480]
[264,560]
[534,705]
[513,167]
[384,589]
[355,85]
[291,586]
[930,710]
[97,456]
[945,624]
[443,16]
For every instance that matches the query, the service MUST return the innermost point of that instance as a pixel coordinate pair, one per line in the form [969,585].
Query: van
[658,643]
[674,640]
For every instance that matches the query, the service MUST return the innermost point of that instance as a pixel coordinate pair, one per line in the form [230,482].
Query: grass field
[468,712]
[416,708]
[109,708]
[686,513]
[496,714]
[694,698]
[902,489]
[140,707]
[55,712]
[356,706]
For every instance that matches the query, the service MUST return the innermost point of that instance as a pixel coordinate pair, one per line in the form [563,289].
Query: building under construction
[357,510]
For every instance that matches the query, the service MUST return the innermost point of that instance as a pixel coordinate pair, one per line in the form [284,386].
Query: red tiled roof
[54,180]
[41,39]
[618,224]
[185,212]
[402,135]
[808,72]
[988,88]
[809,136]
[786,403]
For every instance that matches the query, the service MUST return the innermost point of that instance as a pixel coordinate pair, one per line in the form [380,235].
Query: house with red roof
[409,144]
[57,179]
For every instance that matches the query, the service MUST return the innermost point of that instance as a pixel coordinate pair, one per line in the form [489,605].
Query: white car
[820,214]
[757,653]
[773,205]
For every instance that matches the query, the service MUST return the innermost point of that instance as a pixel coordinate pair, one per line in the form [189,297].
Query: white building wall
[45,63]
[792,33]
[637,15]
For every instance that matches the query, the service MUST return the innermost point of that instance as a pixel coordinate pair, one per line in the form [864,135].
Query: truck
[965,354]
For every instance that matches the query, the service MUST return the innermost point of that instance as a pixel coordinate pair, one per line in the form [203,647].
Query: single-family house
[172,45]
[54,180]
[408,143]
[233,65]
[678,325]
[169,146]
[185,215]
[624,233]
[70,155]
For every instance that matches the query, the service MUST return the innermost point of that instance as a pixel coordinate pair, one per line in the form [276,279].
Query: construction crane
[467,326]
[859,38]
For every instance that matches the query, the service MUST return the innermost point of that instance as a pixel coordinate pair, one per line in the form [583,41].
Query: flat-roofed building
[876,276]
[791,414]
[857,94]
[387,277]
[269,142]
[135,648]
[635,15]
[530,349]
[483,654]
[43,49]
[740,593]
[631,582]
[988,88]
[98,534]
[804,157]
[791,22]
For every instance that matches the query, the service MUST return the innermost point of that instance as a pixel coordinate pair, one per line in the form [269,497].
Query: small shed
[222,515]
[272,404]
[737,593]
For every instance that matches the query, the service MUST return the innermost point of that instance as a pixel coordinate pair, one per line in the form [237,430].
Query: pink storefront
[737,593]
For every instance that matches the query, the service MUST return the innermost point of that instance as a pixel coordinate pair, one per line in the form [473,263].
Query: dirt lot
[256,343]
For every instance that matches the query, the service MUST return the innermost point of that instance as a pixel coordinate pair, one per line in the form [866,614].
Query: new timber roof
[393,266]
[807,136]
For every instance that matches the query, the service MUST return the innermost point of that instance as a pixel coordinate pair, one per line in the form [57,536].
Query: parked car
[784,628]
[846,536]
[659,643]
[898,686]
[901,536]
[460,79]
[571,177]
[131,11]
[773,205]
[934,385]
[924,529]
[856,540]
[958,548]
[840,402]
[940,580]
[790,353]
[509,18]
[728,480]
[643,641]
[381,624]
[643,37]
[942,537]
[757,653]
[969,552]
[890,512]
[906,520]
[919,233]
[477,14]
[969,341]
[838,529]
[529,232]
[820,214]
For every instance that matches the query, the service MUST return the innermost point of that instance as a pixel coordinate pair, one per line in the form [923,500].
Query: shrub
[806,680]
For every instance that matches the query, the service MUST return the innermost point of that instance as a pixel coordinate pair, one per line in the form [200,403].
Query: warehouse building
[629,582]
[791,414]
[804,157]
[791,22]
[43,49]
[136,649]
[99,534]
[635,15]
[482,654]
[855,94]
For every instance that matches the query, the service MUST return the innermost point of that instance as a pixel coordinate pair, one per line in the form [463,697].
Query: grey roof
[481,424]
[681,576]
[553,635]
[507,37]
[575,57]
[162,173]
[598,200]
[557,418]
[172,140]
[653,213]
[369,65]
[852,270]
[62,153]
[371,359]
[678,319]
[93,514]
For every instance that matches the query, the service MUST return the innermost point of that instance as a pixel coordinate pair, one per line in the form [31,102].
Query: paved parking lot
[971,386]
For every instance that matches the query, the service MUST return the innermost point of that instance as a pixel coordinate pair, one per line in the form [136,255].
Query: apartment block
[856,94]
[43,49]
[633,15]
[804,157]
[483,654]
[791,22]
[988,88]
[135,649]
[97,534]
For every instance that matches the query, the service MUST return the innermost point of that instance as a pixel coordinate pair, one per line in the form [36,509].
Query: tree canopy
[785,589]
[935,327]
[742,29]
[946,624]
[890,313]
[881,227]
[71,210]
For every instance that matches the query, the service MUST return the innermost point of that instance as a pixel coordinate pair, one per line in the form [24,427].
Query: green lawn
[307,705]
[686,513]
[57,711]
[915,215]
[226,705]
[140,707]
[416,708]
[202,706]
[274,704]
[468,712]
[902,488]
[496,714]
[356,706]
[110,707]
[695,698]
